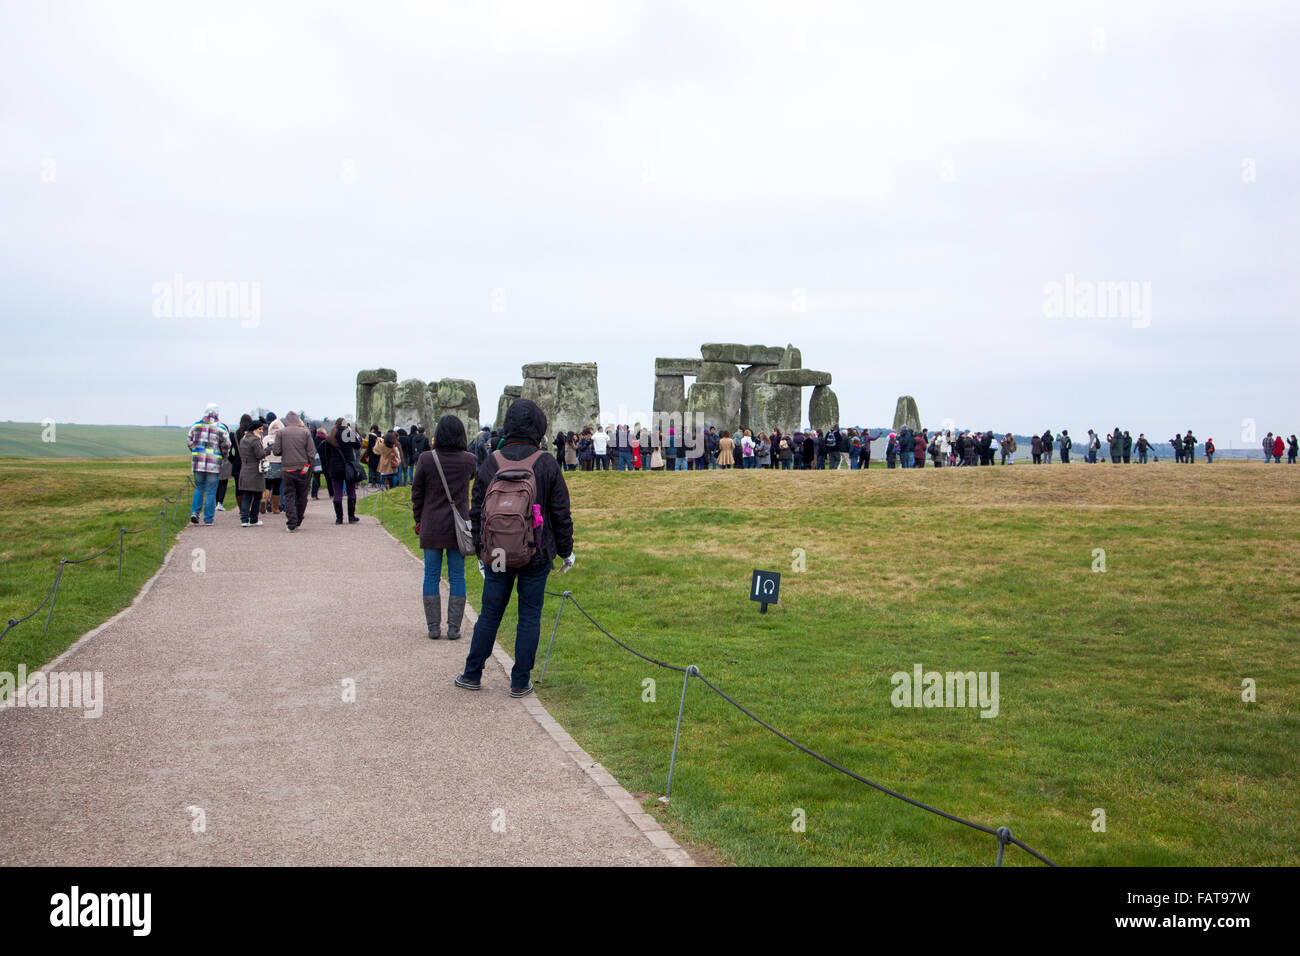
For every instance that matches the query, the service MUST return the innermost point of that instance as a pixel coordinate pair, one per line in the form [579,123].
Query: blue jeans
[531,585]
[681,464]
[602,463]
[433,572]
[205,494]
[624,461]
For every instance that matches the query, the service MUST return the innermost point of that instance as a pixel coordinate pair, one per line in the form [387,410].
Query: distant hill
[23,440]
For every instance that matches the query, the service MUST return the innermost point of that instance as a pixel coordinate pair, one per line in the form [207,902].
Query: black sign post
[765,589]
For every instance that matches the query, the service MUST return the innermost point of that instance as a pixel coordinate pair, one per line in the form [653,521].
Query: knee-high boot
[455,611]
[338,512]
[433,615]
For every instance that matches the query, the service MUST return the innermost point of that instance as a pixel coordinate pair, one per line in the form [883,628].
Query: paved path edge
[648,826]
[99,628]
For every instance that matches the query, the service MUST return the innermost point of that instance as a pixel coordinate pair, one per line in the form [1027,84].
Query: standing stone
[776,406]
[455,396]
[409,407]
[383,398]
[670,401]
[367,379]
[728,376]
[790,358]
[577,397]
[750,379]
[707,405]
[567,393]
[508,395]
[823,408]
[907,414]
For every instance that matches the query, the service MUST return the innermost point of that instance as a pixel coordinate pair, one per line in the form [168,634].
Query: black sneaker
[194,519]
[466,684]
[521,691]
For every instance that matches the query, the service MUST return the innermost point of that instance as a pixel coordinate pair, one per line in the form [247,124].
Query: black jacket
[525,430]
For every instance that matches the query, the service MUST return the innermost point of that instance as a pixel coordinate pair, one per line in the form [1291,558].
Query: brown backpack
[508,513]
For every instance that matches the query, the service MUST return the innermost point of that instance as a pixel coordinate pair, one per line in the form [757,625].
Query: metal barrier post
[121,536]
[690,669]
[559,611]
[162,536]
[55,596]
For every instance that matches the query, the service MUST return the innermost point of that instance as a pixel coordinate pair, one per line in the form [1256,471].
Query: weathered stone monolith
[707,405]
[728,376]
[776,406]
[508,395]
[367,379]
[670,399]
[750,379]
[454,396]
[383,396]
[907,414]
[568,393]
[410,406]
[823,408]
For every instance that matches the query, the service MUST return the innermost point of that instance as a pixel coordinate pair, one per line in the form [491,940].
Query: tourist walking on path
[408,455]
[297,451]
[318,467]
[252,480]
[513,558]
[274,466]
[209,442]
[442,480]
[344,468]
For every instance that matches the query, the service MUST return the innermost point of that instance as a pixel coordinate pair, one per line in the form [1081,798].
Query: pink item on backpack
[537,516]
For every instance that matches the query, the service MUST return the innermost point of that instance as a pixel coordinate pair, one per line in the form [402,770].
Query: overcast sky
[459,189]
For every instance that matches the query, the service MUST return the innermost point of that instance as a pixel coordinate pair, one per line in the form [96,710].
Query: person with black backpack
[520,520]
[1066,443]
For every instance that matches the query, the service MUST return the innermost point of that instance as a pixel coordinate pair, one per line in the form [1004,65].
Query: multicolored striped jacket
[209,443]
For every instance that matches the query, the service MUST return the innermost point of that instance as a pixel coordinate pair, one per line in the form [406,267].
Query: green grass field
[24,440]
[1119,690]
[71,509]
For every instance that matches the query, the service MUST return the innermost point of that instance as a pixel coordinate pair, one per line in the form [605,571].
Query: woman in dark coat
[338,458]
[251,482]
[434,524]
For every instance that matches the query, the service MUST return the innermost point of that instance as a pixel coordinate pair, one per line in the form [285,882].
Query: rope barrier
[51,596]
[1003,835]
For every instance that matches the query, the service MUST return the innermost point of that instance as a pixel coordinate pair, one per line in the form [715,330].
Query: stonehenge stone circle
[759,387]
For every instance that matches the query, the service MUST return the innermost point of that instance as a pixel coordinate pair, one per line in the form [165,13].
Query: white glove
[568,563]
[480,569]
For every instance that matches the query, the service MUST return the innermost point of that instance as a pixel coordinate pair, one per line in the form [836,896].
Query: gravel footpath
[224,701]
